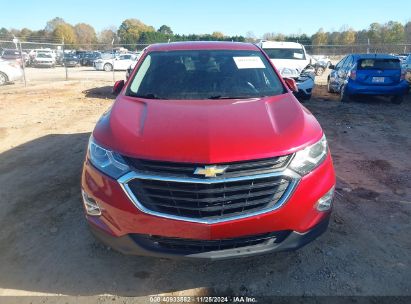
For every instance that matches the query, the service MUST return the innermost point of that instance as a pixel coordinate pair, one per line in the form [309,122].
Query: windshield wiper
[146,96]
[233,97]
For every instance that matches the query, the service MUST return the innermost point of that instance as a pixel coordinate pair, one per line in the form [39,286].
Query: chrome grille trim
[123,181]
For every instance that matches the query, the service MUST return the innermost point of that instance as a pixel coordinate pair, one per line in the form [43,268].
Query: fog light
[90,205]
[325,203]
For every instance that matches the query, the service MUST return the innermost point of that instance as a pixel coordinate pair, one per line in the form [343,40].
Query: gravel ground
[46,248]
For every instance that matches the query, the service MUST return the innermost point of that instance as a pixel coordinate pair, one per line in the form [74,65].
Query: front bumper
[99,66]
[71,64]
[15,74]
[305,88]
[43,64]
[120,218]
[132,245]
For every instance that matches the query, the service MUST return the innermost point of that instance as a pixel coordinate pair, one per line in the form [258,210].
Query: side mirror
[331,67]
[118,86]
[291,84]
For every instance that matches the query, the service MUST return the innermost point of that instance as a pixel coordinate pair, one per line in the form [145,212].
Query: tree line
[129,34]
[133,32]
[391,32]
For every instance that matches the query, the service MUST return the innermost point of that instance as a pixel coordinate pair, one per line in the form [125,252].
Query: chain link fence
[25,54]
[342,50]
[48,62]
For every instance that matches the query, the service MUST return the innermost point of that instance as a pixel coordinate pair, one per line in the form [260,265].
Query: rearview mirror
[118,86]
[331,67]
[291,84]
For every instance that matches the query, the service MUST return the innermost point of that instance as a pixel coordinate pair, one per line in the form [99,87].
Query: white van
[291,60]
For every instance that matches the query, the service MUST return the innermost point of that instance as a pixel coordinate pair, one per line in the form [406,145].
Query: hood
[207,131]
[290,67]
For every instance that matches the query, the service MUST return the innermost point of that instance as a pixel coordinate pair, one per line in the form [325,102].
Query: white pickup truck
[292,61]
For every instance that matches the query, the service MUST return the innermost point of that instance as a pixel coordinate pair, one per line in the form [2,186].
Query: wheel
[319,71]
[329,88]
[344,97]
[397,99]
[108,67]
[305,98]
[3,79]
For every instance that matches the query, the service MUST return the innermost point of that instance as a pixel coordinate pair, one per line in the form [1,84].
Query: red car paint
[206,132]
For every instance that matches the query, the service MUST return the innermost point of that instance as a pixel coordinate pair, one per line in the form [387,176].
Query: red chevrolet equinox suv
[207,154]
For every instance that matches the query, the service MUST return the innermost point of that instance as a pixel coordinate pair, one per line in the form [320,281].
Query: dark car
[70,60]
[12,54]
[88,58]
[368,74]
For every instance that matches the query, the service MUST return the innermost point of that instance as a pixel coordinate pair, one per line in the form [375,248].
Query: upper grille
[234,169]
[190,246]
[209,200]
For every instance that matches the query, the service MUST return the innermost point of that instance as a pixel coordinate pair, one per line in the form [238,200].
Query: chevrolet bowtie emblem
[210,171]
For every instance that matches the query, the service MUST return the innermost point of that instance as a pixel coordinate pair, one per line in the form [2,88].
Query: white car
[10,72]
[44,60]
[292,61]
[120,62]
[133,65]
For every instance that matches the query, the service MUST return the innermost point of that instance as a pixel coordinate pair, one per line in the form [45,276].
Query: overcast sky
[232,17]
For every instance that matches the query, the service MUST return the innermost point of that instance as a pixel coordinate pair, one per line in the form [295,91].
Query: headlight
[306,160]
[109,162]
[286,72]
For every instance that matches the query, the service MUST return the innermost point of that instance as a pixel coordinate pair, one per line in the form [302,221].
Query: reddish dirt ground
[46,247]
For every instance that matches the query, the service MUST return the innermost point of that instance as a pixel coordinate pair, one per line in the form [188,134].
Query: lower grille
[209,200]
[179,245]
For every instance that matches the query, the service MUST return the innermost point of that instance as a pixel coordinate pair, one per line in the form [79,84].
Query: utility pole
[65,65]
[17,41]
[368,45]
[112,49]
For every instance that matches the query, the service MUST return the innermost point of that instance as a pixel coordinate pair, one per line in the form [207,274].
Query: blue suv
[368,74]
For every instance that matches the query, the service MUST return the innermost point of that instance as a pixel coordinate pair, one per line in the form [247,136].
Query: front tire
[329,88]
[108,67]
[3,79]
[344,97]
[305,98]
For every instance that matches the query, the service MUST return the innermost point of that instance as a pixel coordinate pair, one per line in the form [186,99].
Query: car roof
[201,45]
[374,56]
[280,44]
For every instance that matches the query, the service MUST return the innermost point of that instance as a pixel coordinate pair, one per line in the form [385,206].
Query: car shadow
[105,92]
[46,246]
[320,93]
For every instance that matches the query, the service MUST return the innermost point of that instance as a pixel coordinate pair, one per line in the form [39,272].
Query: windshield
[41,55]
[11,52]
[294,54]
[107,56]
[205,75]
[378,64]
